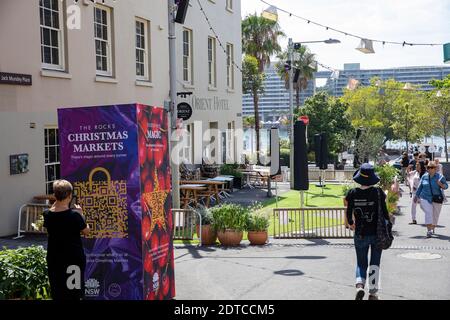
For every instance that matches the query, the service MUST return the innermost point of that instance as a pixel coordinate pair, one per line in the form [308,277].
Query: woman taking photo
[365,204]
[431,195]
[65,255]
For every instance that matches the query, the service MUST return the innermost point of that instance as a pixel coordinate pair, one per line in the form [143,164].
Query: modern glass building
[275,101]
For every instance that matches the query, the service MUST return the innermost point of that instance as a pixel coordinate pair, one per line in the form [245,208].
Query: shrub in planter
[257,227]
[209,234]
[230,220]
[387,175]
[23,274]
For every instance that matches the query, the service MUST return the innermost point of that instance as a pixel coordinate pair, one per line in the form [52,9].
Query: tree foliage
[328,115]
[440,108]
[260,38]
[305,63]
[385,107]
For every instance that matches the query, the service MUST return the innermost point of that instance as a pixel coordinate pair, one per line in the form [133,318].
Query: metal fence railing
[184,227]
[28,215]
[298,223]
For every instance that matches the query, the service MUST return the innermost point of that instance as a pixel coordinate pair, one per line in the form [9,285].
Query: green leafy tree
[307,65]
[439,100]
[385,107]
[369,144]
[248,121]
[328,115]
[259,40]
[253,83]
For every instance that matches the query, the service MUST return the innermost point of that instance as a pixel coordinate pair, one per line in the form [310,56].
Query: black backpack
[384,229]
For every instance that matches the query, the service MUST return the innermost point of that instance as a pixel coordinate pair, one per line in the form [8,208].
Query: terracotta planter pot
[230,237]
[209,236]
[258,238]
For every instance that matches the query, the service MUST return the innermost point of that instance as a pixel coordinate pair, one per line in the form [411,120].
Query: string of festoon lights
[326,27]
[216,35]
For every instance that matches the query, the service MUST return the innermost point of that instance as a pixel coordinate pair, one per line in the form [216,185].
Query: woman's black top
[64,239]
[65,250]
[363,204]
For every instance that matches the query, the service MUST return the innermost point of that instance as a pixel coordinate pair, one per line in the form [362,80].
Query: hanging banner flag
[447,53]
[117,159]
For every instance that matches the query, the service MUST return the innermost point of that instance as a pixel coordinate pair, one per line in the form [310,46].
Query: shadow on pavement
[289,273]
[306,257]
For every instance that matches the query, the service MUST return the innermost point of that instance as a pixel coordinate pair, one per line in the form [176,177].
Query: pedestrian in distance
[65,223]
[404,164]
[414,181]
[439,167]
[366,203]
[431,195]
[412,163]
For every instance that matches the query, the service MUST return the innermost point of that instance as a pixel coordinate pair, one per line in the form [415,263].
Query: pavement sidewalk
[414,268]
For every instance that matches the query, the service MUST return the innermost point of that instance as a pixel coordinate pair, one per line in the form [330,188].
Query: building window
[52,161]
[230,5]
[142,50]
[187,56]
[212,62]
[230,68]
[52,35]
[231,142]
[188,154]
[102,35]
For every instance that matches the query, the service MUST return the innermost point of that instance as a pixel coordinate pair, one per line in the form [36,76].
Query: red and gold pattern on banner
[157,222]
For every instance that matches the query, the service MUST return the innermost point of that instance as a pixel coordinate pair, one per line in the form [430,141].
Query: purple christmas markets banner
[99,155]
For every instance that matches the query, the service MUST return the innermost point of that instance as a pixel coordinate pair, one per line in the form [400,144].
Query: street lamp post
[174,156]
[407,114]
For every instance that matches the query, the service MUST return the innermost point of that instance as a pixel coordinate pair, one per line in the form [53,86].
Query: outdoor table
[213,186]
[225,189]
[188,190]
[227,179]
[247,174]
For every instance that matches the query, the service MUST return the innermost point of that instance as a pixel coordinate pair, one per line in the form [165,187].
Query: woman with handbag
[372,228]
[431,195]
[65,223]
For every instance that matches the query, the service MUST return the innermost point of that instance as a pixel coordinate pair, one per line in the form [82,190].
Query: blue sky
[424,21]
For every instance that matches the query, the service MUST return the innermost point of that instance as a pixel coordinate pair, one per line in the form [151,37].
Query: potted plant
[23,274]
[387,175]
[257,228]
[230,220]
[208,234]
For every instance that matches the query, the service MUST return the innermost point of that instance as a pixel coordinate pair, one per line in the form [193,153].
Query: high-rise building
[419,76]
[275,100]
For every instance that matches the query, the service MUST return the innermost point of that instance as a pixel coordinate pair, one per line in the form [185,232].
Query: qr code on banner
[104,205]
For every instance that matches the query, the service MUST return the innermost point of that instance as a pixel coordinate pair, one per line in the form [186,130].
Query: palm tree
[260,40]
[306,63]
